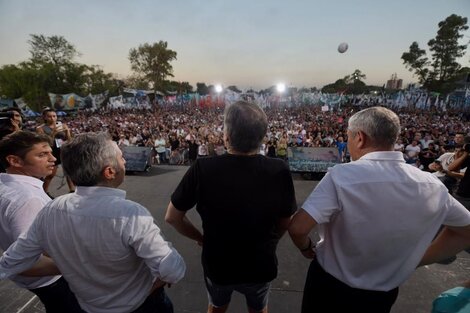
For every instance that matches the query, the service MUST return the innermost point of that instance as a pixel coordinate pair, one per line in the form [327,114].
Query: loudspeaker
[137,158]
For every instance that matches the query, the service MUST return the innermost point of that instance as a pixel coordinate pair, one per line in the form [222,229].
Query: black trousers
[58,298]
[325,293]
[157,302]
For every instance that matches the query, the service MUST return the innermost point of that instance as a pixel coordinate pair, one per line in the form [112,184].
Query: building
[394,82]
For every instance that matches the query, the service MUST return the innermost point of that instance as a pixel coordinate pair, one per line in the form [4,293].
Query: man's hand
[158,284]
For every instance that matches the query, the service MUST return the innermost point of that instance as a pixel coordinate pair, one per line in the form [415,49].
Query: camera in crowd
[6,116]
[6,125]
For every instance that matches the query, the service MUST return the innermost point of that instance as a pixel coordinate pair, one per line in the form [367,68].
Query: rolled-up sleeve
[22,254]
[162,259]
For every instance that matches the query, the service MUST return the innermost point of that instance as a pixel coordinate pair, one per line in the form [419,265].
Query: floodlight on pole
[281,87]
[218,88]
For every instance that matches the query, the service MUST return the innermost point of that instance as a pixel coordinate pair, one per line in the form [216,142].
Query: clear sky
[248,43]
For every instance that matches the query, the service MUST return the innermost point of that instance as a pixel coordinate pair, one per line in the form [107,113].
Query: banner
[116,102]
[69,101]
[309,159]
[94,101]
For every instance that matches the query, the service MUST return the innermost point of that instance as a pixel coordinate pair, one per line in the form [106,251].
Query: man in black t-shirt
[245,201]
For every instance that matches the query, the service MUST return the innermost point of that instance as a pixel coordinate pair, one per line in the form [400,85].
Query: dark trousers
[325,293]
[58,298]
[157,302]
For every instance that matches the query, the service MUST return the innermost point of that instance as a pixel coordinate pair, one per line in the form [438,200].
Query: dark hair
[245,125]
[47,110]
[11,109]
[19,143]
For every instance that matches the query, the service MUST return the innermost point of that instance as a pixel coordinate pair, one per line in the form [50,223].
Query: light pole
[218,90]
[281,88]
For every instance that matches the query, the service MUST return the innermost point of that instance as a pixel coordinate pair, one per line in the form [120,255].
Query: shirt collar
[384,156]
[100,191]
[5,178]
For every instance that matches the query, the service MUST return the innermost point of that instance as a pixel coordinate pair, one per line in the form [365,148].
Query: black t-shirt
[240,200]
[464,185]
[175,144]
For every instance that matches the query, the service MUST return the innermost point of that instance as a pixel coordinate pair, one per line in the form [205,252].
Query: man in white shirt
[377,219]
[160,147]
[28,157]
[412,151]
[108,248]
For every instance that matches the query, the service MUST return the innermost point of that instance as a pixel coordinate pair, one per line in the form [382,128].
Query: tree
[26,81]
[357,76]
[445,50]
[51,69]
[234,89]
[97,81]
[179,87]
[136,82]
[54,49]
[202,89]
[152,61]
[186,87]
[415,60]
[349,84]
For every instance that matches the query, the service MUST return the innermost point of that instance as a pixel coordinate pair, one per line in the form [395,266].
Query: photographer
[11,120]
[463,191]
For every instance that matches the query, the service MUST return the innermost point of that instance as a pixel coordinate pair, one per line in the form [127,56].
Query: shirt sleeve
[185,195]
[290,204]
[162,259]
[22,254]
[323,201]
[457,214]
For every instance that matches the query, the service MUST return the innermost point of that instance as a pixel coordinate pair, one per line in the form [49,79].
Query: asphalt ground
[153,190]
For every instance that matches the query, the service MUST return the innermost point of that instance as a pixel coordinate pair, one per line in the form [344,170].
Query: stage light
[281,87]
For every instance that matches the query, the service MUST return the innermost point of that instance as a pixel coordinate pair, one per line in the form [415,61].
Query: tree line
[52,67]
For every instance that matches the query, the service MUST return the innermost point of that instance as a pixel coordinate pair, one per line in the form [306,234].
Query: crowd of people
[98,252]
[181,134]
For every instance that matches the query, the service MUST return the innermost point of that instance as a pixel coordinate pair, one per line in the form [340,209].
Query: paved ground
[153,189]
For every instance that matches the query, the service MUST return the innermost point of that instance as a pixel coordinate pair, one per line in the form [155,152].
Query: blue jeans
[162,156]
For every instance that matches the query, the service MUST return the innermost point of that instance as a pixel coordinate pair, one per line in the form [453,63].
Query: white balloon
[342,47]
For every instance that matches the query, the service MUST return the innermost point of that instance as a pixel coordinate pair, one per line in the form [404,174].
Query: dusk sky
[254,43]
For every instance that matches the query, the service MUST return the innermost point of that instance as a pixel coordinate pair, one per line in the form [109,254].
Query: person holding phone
[59,133]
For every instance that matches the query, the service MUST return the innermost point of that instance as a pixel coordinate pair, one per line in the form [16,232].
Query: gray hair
[380,124]
[245,125]
[85,157]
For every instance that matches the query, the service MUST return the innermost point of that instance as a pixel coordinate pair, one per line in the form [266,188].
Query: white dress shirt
[21,199]
[160,145]
[377,217]
[108,249]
